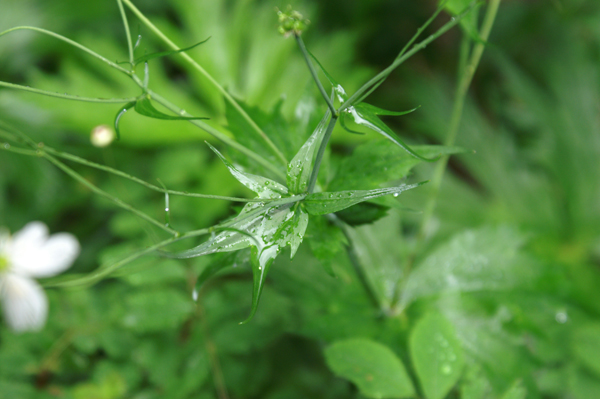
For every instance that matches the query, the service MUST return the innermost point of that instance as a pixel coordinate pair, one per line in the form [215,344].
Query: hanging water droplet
[195,295]
[396,194]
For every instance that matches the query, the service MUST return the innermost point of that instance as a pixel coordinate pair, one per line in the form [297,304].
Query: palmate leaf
[265,228]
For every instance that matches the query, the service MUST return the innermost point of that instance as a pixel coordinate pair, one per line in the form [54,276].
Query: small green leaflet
[436,354]
[323,203]
[373,367]
[144,107]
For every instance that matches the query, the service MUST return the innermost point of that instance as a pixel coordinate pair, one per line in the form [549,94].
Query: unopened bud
[102,136]
[291,22]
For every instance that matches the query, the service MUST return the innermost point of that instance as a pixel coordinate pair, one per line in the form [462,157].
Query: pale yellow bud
[102,136]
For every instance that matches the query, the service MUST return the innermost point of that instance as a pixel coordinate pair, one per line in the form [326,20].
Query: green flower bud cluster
[291,22]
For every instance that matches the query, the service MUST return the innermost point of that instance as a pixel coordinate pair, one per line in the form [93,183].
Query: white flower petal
[4,242]
[24,303]
[36,255]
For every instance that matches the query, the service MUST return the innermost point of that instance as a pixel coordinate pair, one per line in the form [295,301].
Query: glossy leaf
[364,116]
[476,260]
[377,162]
[371,366]
[144,107]
[329,202]
[326,242]
[300,168]
[436,354]
[151,56]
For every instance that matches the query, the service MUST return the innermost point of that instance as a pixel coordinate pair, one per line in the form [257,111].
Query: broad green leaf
[373,367]
[150,56]
[364,115]
[377,162]
[474,384]
[145,107]
[436,354]
[487,259]
[300,168]
[329,202]
[586,345]
[156,310]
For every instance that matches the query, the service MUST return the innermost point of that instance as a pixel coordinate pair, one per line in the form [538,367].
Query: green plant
[408,314]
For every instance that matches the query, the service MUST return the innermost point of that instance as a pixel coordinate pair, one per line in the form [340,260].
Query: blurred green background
[531,191]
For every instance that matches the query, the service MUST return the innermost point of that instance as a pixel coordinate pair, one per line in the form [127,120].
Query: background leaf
[373,367]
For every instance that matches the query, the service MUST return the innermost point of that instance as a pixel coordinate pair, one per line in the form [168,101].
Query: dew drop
[266,183]
[396,194]
[446,369]
[195,295]
[330,195]
[6,145]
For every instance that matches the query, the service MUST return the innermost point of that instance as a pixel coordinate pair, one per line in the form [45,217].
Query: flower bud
[102,136]
[291,22]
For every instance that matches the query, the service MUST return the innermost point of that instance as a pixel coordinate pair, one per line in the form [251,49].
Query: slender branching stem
[66,96]
[212,80]
[315,172]
[71,42]
[119,173]
[127,33]
[398,61]
[457,111]
[104,194]
[314,74]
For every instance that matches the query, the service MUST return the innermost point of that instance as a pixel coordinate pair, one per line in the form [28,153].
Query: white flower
[31,253]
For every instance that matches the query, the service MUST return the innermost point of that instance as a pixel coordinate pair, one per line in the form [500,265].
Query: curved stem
[69,41]
[204,73]
[117,172]
[66,96]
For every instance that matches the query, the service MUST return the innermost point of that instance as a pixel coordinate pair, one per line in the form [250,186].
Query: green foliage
[373,367]
[495,298]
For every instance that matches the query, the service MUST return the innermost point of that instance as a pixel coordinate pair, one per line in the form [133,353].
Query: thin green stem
[399,60]
[66,96]
[104,194]
[203,72]
[410,42]
[117,172]
[71,42]
[459,101]
[217,134]
[314,74]
[315,172]
[127,33]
